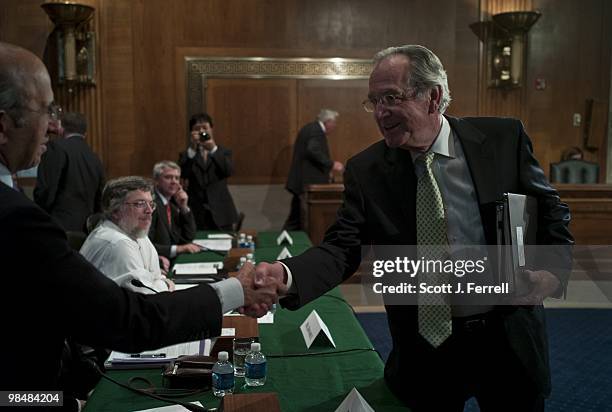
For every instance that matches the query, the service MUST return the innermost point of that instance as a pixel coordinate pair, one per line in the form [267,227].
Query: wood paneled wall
[140,97]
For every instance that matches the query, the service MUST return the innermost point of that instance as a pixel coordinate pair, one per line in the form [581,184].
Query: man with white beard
[119,246]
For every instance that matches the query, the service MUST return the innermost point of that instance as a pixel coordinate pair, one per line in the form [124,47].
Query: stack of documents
[197,272]
[159,356]
[220,245]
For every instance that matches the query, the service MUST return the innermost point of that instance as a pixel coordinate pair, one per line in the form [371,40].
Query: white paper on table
[200,268]
[172,352]
[267,318]
[222,245]
[312,327]
[220,236]
[284,237]
[284,254]
[354,402]
[171,408]
[183,286]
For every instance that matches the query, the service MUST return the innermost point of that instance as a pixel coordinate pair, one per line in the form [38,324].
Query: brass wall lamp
[504,38]
[75,45]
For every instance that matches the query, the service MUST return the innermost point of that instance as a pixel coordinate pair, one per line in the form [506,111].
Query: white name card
[284,238]
[354,402]
[312,327]
[284,254]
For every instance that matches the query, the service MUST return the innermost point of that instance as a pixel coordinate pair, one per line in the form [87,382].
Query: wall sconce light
[504,38]
[76,47]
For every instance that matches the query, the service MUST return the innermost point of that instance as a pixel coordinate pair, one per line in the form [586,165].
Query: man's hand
[188,248]
[181,199]
[271,275]
[164,264]
[257,301]
[338,167]
[543,285]
[171,285]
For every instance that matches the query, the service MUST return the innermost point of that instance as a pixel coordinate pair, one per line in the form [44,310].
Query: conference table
[315,379]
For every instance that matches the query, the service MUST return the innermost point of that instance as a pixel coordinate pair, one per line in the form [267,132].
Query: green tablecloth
[302,383]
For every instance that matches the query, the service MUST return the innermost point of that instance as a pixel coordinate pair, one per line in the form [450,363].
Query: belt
[474,323]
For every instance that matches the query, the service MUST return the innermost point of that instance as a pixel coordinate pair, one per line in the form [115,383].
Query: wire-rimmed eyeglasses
[54,111]
[142,204]
[387,100]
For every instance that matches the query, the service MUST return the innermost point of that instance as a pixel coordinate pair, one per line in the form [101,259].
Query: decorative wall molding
[199,69]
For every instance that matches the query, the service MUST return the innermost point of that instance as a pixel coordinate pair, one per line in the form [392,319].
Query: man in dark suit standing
[173,226]
[70,176]
[206,167]
[424,184]
[53,293]
[311,162]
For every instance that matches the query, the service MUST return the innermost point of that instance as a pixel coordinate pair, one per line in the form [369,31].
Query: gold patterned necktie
[435,324]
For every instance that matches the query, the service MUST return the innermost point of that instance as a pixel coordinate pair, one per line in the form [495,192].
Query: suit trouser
[476,361]
[294,221]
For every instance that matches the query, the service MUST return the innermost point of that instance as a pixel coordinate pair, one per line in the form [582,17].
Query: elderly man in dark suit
[70,176]
[311,162]
[52,292]
[431,182]
[173,227]
[206,167]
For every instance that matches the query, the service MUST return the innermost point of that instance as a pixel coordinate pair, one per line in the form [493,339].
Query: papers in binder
[516,227]
[162,355]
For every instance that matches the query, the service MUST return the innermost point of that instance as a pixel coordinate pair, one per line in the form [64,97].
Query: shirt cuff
[173,251]
[230,294]
[289,277]
[214,149]
[191,153]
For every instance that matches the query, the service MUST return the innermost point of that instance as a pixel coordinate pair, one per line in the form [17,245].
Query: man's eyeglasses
[387,100]
[53,110]
[142,204]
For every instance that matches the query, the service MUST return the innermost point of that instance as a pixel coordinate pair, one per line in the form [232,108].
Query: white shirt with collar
[6,176]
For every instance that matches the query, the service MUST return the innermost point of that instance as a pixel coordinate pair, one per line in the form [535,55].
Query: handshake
[262,286]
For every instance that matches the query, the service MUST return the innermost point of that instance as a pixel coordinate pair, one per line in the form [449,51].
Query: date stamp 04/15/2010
[31,398]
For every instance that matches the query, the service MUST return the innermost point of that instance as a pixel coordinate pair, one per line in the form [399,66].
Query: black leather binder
[517,226]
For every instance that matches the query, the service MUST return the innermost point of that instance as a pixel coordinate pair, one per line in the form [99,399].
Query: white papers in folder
[220,245]
[159,355]
[200,268]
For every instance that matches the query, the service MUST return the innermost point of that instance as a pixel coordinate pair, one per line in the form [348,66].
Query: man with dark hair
[206,167]
[432,185]
[311,162]
[173,227]
[70,176]
[52,292]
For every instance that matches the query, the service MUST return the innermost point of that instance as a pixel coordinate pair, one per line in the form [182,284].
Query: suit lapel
[480,156]
[401,180]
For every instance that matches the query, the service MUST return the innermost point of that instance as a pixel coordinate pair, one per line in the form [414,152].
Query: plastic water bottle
[250,243]
[242,240]
[243,260]
[223,376]
[255,366]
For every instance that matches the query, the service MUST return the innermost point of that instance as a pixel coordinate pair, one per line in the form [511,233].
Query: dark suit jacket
[53,293]
[70,182]
[311,163]
[208,185]
[380,209]
[163,236]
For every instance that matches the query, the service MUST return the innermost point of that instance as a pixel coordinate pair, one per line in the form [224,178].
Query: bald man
[52,293]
